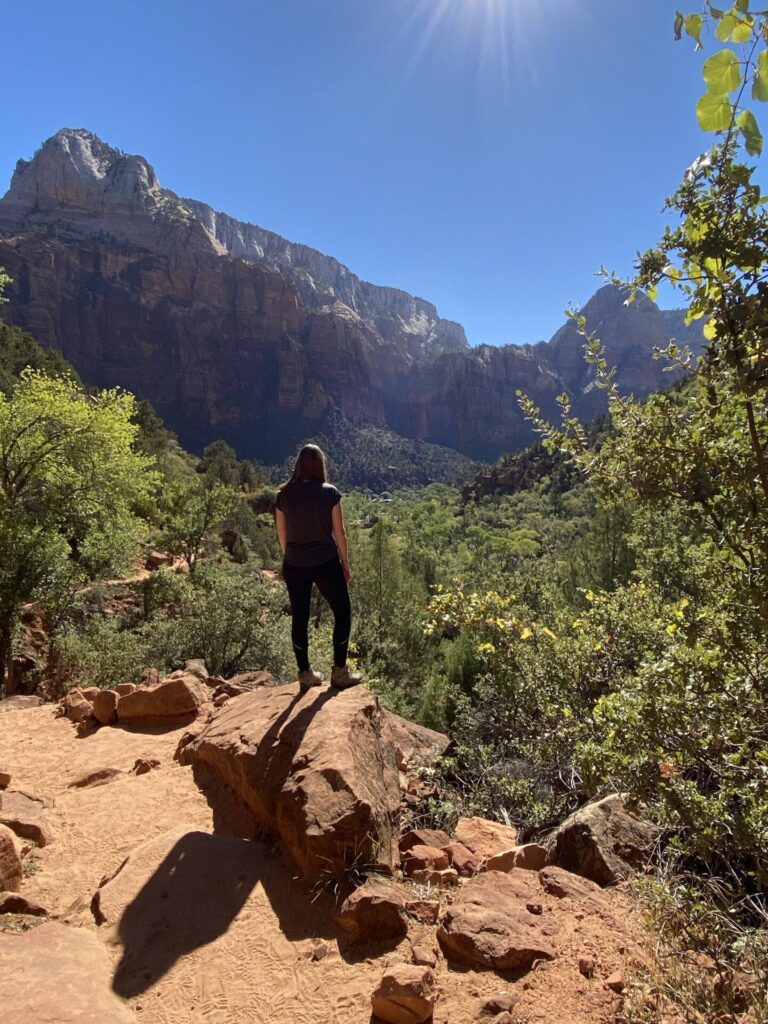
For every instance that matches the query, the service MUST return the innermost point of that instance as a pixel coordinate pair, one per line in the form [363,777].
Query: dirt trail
[221,931]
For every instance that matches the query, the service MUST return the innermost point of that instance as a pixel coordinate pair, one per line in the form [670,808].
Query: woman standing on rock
[310,528]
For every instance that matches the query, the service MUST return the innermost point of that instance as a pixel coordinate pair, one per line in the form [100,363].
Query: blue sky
[487,155]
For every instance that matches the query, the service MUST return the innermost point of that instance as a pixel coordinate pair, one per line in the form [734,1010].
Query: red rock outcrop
[316,770]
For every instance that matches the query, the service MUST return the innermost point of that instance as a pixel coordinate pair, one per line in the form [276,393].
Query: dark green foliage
[19,350]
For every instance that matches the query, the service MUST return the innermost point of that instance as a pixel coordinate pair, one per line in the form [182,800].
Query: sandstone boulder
[485,838]
[10,860]
[122,688]
[173,698]
[105,707]
[424,837]
[602,842]
[66,976]
[405,995]
[415,745]
[530,857]
[25,815]
[76,707]
[488,925]
[316,770]
[375,911]
[565,885]
[465,862]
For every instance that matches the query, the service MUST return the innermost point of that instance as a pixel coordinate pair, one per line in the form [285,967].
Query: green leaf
[742,6]
[678,24]
[760,84]
[652,292]
[714,113]
[732,27]
[753,138]
[710,330]
[722,72]
[715,12]
[693,24]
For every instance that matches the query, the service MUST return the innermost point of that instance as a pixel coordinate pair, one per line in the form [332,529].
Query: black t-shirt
[307,508]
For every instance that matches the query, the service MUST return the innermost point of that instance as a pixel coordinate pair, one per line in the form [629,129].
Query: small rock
[423,954]
[530,857]
[13,903]
[461,858]
[105,706]
[427,876]
[425,837]
[320,952]
[615,982]
[485,838]
[424,858]
[487,925]
[123,688]
[10,860]
[77,707]
[220,700]
[587,966]
[144,765]
[499,1002]
[405,995]
[96,777]
[155,559]
[505,1018]
[245,681]
[5,780]
[25,815]
[560,883]
[534,908]
[373,912]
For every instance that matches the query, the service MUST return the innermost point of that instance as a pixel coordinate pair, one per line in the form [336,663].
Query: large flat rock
[317,770]
[490,925]
[58,975]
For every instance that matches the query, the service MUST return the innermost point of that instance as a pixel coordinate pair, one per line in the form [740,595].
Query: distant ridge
[231,331]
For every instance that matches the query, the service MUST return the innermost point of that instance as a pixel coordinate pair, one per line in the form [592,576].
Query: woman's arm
[282,532]
[340,536]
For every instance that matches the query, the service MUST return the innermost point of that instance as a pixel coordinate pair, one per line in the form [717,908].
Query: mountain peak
[74,171]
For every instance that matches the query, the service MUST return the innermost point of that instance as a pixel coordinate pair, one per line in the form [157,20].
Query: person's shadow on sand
[191,899]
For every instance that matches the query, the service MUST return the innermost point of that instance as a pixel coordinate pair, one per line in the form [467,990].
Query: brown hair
[309,465]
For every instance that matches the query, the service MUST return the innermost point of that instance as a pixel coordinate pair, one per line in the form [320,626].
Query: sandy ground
[220,930]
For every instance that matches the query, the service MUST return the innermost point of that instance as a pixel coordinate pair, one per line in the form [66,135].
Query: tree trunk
[7,684]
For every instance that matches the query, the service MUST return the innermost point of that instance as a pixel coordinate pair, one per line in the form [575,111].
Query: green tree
[70,484]
[688,730]
[193,514]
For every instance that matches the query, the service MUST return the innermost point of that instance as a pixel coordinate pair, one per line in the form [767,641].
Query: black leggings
[329,579]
